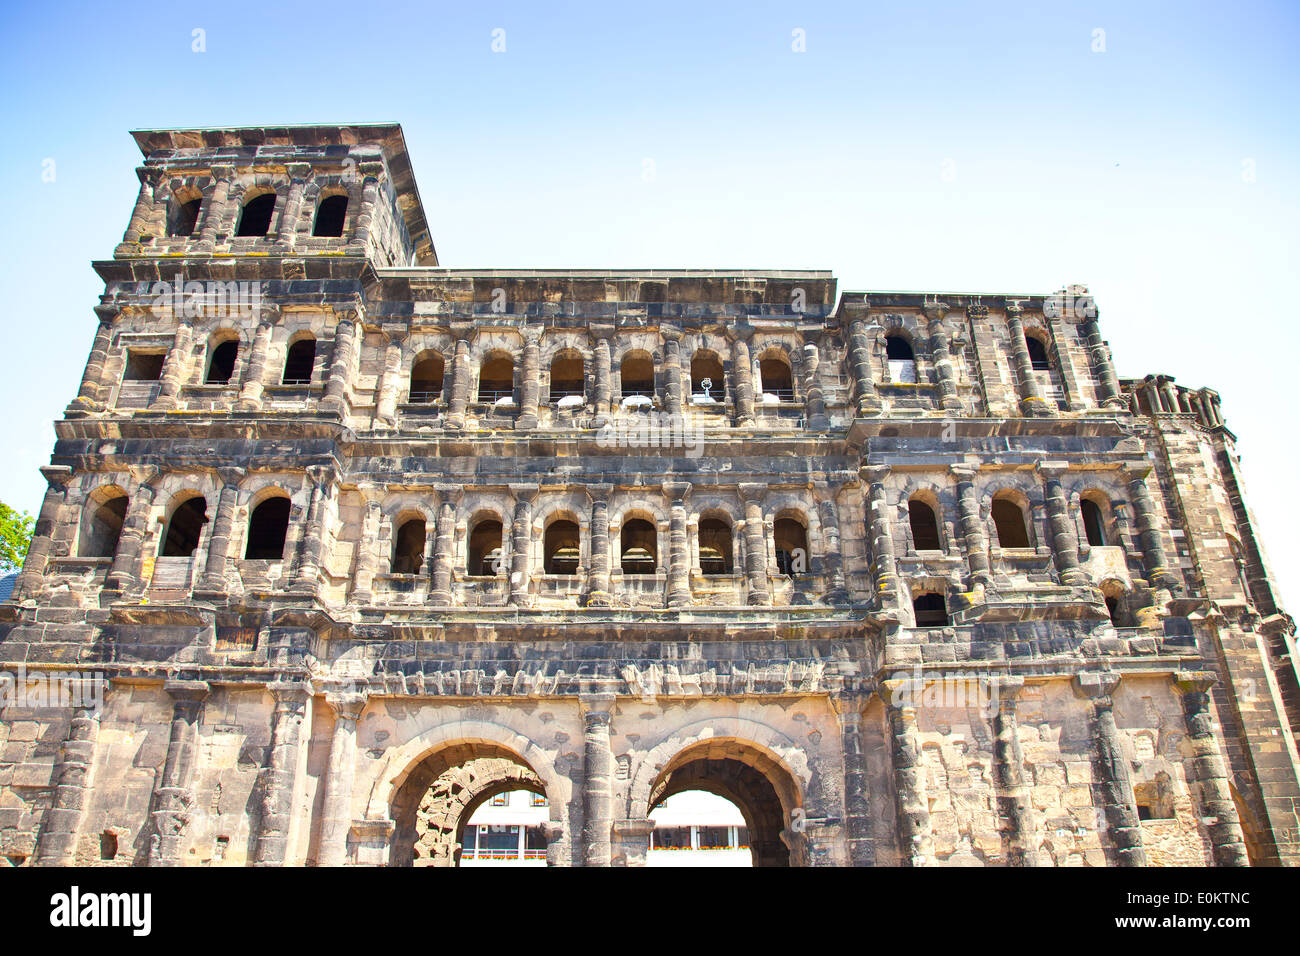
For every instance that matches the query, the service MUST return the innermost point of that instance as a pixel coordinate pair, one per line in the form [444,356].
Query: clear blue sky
[912,146]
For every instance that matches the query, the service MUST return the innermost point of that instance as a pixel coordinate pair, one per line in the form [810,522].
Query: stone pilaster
[1031,393]
[1103,369]
[176,367]
[973,539]
[1065,542]
[597,781]
[214,570]
[1210,771]
[1148,528]
[345,347]
[214,209]
[742,371]
[598,578]
[307,576]
[521,544]
[94,391]
[254,384]
[125,572]
[370,173]
[280,775]
[936,312]
[336,808]
[150,178]
[1114,788]
[440,590]
[828,514]
[679,579]
[287,234]
[857,797]
[631,842]
[49,520]
[530,381]
[459,393]
[673,391]
[601,334]
[814,396]
[56,844]
[884,567]
[1009,777]
[390,383]
[868,402]
[915,836]
[756,567]
[174,794]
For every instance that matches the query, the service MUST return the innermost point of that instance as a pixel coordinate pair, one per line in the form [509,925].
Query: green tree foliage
[15,537]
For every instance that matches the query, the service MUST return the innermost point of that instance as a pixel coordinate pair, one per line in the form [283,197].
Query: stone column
[521,544]
[287,234]
[857,799]
[150,178]
[1211,772]
[884,568]
[29,582]
[176,367]
[440,591]
[973,540]
[214,570]
[742,370]
[530,385]
[57,843]
[280,775]
[1169,393]
[1114,788]
[814,396]
[1065,543]
[1153,553]
[597,782]
[214,207]
[1210,402]
[837,593]
[756,568]
[1103,369]
[673,398]
[915,836]
[390,383]
[125,572]
[174,794]
[367,562]
[936,312]
[604,382]
[336,808]
[631,842]
[598,579]
[459,385]
[1152,392]
[868,402]
[307,576]
[340,377]
[1009,776]
[1031,394]
[250,393]
[679,578]
[94,390]
[370,172]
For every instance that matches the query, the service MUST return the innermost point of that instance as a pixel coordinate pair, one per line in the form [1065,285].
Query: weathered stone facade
[913,579]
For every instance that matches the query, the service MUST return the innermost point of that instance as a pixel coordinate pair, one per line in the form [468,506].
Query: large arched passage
[436,800]
[760,787]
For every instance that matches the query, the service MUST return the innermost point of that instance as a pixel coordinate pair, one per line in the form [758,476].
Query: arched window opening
[267,529]
[560,548]
[108,845]
[184,218]
[1112,608]
[299,362]
[1038,354]
[707,376]
[1155,799]
[221,366]
[408,547]
[496,379]
[329,217]
[774,373]
[485,549]
[255,217]
[930,610]
[184,528]
[566,375]
[925,527]
[791,540]
[715,546]
[901,359]
[639,547]
[637,374]
[1009,519]
[1094,525]
[426,378]
[103,527]
[143,366]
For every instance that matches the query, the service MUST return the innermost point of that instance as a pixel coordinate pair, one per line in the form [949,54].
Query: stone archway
[448,805]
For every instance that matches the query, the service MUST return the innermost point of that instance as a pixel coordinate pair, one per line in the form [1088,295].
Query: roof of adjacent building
[7,583]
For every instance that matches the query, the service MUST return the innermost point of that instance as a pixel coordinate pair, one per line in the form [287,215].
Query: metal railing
[491,396]
[423,398]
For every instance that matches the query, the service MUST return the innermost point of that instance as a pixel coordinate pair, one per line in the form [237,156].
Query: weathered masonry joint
[339,543]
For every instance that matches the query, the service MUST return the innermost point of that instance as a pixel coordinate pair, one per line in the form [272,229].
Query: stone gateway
[342,543]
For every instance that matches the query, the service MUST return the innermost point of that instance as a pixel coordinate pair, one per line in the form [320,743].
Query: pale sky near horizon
[908,146]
